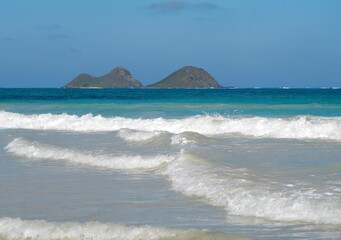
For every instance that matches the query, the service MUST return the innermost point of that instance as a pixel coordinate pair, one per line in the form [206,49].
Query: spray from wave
[302,127]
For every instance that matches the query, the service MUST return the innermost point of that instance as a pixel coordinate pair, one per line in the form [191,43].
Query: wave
[130,135]
[189,138]
[180,139]
[301,127]
[233,190]
[221,186]
[17,229]
[36,150]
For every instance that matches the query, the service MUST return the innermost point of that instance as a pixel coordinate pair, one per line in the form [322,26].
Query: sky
[242,43]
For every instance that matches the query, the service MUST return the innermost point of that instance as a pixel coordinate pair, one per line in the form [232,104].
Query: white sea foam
[179,139]
[38,229]
[17,229]
[188,138]
[232,189]
[222,186]
[130,135]
[302,127]
[35,150]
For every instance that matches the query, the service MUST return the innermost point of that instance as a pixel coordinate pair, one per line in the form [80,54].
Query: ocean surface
[170,164]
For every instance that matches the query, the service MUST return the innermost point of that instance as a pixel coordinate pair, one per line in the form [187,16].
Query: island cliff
[117,78]
[187,77]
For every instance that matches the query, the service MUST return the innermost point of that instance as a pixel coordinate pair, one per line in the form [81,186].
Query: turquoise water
[183,164]
[174,102]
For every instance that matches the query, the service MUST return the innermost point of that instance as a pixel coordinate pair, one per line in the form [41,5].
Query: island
[117,78]
[187,77]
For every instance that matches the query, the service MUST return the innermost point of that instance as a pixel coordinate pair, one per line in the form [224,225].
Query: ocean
[170,164]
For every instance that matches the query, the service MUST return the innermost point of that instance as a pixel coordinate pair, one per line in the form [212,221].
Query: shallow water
[153,163]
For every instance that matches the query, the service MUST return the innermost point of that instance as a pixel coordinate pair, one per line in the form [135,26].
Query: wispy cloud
[199,19]
[171,5]
[54,31]
[49,27]
[205,6]
[180,5]
[58,36]
[9,39]
[72,50]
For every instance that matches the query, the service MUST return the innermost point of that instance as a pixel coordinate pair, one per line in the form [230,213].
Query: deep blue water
[174,102]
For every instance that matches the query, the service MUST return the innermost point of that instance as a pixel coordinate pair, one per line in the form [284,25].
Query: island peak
[119,77]
[188,77]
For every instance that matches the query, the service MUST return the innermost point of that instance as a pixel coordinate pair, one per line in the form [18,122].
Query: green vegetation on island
[117,78]
[186,77]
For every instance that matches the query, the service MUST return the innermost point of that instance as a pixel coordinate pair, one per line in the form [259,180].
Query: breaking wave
[301,127]
[35,150]
[17,229]
[130,135]
[189,138]
[233,190]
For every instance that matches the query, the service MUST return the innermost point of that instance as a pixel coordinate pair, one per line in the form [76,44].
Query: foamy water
[170,164]
[231,189]
[130,135]
[221,186]
[35,150]
[302,127]
[38,229]
[17,229]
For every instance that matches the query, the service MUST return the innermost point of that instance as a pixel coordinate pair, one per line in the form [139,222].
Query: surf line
[221,186]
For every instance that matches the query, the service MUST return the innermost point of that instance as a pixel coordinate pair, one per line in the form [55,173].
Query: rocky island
[117,78]
[187,77]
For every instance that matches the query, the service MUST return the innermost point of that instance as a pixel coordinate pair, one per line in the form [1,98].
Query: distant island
[117,78]
[186,77]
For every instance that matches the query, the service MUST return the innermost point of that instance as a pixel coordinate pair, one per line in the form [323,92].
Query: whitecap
[35,150]
[233,190]
[130,135]
[301,127]
[236,190]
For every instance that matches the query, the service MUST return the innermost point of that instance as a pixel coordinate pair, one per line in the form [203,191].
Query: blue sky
[244,43]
